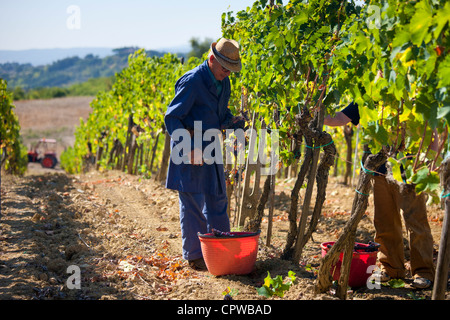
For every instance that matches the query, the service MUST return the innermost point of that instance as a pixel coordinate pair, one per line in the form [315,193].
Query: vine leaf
[396,283]
[425,180]
[396,171]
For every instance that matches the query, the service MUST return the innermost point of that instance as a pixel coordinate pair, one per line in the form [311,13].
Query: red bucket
[234,254]
[361,261]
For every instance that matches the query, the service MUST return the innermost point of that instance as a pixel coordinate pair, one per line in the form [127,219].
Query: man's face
[218,71]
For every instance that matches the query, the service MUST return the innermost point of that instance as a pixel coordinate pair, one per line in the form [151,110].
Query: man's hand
[196,158]
[237,122]
[340,119]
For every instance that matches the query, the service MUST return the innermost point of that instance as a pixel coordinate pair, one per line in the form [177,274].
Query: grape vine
[13,153]
[128,121]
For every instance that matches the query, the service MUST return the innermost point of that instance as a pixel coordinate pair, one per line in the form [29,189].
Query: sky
[149,24]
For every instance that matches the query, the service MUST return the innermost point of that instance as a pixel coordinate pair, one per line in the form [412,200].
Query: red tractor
[44,152]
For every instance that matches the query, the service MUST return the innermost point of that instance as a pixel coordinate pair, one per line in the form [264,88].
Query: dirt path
[122,234]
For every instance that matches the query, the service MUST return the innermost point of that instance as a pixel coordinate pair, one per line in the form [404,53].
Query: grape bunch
[218,233]
[372,247]
[233,174]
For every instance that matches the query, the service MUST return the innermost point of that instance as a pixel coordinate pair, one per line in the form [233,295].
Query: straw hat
[227,53]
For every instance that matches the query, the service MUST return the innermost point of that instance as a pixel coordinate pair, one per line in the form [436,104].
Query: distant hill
[67,71]
[39,57]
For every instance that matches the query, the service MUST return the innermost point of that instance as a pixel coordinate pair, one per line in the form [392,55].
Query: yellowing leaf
[367,115]
[396,172]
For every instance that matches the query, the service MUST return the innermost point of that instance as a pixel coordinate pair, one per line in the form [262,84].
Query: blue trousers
[200,213]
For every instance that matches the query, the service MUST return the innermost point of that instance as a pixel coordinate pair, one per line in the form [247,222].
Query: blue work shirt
[196,99]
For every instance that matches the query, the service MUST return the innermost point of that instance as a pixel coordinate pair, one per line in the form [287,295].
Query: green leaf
[264,291]
[443,73]
[441,19]
[414,296]
[402,37]
[425,180]
[381,134]
[366,115]
[420,22]
[362,43]
[443,112]
[427,106]
[276,286]
[396,283]
[301,17]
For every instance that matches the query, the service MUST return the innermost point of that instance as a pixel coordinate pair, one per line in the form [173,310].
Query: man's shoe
[384,277]
[421,283]
[380,276]
[198,264]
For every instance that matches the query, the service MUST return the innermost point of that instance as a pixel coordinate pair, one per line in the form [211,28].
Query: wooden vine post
[128,142]
[271,207]
[254,222]
[155,147]
[162,173]
[267,194]
[441,277]
[131,152]
[98,157]
[346,241]
[272,178]
[115,154]
[250,195]
[348,134]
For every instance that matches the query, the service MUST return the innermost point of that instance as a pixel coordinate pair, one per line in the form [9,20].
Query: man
[387,220]
[200,104]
